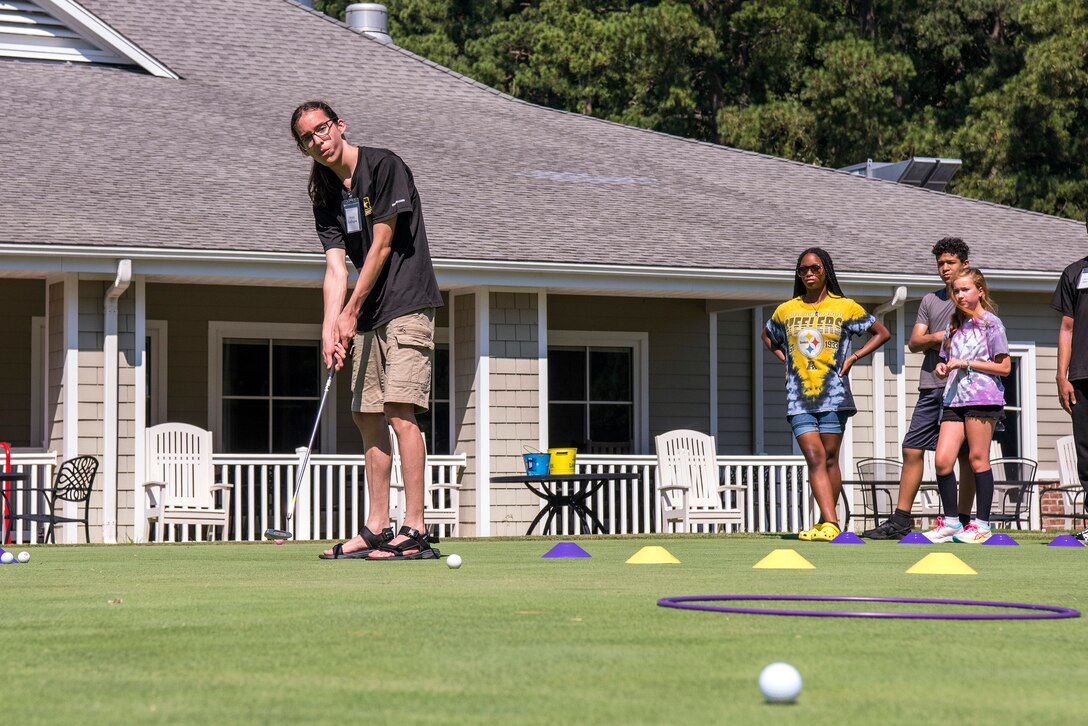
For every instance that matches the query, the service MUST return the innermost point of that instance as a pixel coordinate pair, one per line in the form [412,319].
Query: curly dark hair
[955,245]
[830,280]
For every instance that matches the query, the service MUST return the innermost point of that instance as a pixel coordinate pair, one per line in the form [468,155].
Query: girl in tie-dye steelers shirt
[816,341]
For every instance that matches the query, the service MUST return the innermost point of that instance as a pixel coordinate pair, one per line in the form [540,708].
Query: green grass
[257,633]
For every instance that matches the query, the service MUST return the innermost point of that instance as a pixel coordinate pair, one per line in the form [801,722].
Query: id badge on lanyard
[353,215]
[1082,283]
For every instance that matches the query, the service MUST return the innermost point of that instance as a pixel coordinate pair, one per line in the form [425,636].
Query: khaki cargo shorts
[392,364]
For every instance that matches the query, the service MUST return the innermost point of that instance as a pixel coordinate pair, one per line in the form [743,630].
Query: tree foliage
[1001,84]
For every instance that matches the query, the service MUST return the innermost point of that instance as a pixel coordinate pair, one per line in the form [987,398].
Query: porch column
[517,389]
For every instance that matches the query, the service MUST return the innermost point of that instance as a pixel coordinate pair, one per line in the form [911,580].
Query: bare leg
[967,483]
[980,432]
[910,478]
[831,444]
[379,462]
[413,460]
[812,446]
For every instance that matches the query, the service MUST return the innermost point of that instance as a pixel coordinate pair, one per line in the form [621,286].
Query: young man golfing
[934,312]
[366,208]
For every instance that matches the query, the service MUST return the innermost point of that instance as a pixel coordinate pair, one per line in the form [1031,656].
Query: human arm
[878,335]
[334,289]
[769,343]
[347,321]
[1066,395]
[1001,365]
[922,340]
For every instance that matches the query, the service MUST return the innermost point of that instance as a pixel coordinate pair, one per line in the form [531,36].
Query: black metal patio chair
[1014,487]
[71,483]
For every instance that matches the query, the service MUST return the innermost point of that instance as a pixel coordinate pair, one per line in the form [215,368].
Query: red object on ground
[7,468]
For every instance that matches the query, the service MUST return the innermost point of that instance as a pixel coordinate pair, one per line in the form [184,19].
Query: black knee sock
[984,494]
[947,485]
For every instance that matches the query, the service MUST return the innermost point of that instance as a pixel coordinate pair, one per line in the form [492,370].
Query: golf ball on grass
[7,558]
[780,683]
[453,562]
[23,556]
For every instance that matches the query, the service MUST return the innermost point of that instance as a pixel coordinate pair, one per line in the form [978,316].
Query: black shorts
[925,424]
[960,413]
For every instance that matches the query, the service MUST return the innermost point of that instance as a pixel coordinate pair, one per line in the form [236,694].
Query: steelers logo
[810,343]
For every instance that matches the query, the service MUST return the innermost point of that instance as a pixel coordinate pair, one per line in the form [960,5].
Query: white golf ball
[780,683]
[7,558]
[453,562]
[23,556]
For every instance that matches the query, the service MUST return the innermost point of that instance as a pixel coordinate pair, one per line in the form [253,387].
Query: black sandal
[372,540]
[420,541]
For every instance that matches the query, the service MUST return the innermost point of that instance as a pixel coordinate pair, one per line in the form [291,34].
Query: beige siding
[735,400]
[465,364]
[515,412]
[679,351]
[55,367]
[20,300]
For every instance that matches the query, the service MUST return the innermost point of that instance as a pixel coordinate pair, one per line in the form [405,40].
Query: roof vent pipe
[369,18]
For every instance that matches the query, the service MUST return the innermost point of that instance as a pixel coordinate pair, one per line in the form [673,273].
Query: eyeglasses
[323,132]
[814,269]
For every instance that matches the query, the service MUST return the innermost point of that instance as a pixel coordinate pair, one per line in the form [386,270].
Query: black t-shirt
[384,186]
[1071,299]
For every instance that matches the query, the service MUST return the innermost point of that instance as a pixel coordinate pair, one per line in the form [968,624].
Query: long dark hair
[830,280]
[324,184]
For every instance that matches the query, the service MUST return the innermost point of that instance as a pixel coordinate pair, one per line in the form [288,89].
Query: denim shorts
[825,422]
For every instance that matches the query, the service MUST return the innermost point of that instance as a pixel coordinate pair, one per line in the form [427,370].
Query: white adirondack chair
[687,480]
[441,499]
[180,480]
[1067,461]
[1069,486]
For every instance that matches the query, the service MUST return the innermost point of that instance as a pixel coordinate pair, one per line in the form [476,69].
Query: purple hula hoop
[1044,612]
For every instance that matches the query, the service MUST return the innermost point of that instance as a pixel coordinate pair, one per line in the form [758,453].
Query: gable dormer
[64,31]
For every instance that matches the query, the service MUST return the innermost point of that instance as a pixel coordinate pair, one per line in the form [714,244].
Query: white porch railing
[777,493]
[40,467]
[332,501]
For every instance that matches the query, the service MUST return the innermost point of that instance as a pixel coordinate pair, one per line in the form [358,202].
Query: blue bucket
[536,464]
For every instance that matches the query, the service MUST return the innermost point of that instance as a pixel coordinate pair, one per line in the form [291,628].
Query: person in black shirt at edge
[1071,301]
[366,208]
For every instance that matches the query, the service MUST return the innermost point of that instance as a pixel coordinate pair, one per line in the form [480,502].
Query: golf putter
[286,533]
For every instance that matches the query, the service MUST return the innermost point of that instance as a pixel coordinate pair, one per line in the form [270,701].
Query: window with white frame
[155,373]
[265,387]
[435,422]
[1017,437]
[595,390]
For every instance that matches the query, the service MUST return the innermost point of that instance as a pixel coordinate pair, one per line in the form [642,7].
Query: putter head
[277,534]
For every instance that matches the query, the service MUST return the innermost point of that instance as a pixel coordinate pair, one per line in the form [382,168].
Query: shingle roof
[107,156]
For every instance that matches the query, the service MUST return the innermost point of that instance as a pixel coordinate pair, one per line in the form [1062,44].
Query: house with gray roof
[603,284]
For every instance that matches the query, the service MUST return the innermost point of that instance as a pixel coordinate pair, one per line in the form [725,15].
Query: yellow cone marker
[653,556]
[784,560]
[941,563]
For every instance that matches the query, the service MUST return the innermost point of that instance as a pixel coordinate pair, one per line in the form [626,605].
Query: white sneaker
[944,532]
[972,534]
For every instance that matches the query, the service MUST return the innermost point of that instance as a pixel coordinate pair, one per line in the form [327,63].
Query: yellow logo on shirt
[367,209]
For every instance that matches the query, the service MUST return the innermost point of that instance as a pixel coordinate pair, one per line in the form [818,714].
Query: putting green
[251,633]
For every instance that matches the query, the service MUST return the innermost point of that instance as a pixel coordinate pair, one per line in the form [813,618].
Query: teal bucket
[536,464]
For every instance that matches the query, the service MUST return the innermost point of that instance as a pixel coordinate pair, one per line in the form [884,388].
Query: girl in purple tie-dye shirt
[975,357]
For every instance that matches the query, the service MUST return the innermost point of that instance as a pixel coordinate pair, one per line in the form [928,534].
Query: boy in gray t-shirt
[926,337]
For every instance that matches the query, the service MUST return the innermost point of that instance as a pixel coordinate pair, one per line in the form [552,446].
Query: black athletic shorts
[925,424]
[958,414]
